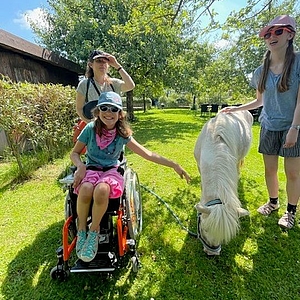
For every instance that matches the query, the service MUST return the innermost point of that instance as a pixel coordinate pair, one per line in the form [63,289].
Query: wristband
[119,68]
[295,127]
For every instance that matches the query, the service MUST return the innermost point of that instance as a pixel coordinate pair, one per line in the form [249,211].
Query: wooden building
[24,61]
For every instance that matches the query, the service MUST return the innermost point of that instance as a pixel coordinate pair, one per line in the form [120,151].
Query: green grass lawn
[262,262]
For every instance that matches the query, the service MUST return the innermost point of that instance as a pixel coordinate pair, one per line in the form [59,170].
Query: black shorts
[271,143]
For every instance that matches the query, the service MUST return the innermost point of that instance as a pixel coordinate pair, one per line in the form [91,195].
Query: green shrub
[36,118]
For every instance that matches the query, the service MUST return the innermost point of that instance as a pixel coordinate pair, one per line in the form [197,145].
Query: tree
[135,31]
[230,71]
[158,42]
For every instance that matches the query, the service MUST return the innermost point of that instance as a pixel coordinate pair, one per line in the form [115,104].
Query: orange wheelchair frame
[120,238]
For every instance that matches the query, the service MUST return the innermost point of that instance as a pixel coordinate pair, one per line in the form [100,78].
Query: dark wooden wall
[24,61]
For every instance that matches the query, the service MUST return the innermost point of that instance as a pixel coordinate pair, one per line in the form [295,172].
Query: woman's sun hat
[283,20]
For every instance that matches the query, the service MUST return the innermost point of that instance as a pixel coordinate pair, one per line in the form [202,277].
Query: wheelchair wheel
[135,264]
[133,203]
[58,273]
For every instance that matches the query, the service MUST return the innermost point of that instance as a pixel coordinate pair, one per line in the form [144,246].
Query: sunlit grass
[262,262]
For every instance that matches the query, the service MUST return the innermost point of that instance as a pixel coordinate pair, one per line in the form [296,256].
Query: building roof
[19,45]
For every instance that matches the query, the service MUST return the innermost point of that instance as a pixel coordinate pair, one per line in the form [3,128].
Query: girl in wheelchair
[98,178]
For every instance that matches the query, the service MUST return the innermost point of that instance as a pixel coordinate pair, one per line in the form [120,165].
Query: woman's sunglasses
[276,32]
[113,109]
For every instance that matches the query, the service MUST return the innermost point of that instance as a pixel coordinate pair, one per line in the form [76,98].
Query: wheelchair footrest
[103,262]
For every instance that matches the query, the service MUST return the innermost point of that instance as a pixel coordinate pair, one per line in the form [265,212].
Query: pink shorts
[112,177]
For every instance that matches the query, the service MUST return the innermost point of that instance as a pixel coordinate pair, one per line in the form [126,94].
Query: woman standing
[277,90]
[97,80]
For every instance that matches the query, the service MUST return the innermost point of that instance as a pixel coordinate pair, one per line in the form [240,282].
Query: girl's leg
[101,198]
[271,177]
[83,204]
[292,172]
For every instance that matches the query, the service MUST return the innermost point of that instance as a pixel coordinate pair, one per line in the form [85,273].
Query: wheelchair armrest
[68,180]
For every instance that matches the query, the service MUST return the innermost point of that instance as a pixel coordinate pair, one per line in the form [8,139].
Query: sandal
[267,208]
[287,220]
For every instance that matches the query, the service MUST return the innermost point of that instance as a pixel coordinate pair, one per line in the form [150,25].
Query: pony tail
[283,85]
[263,77]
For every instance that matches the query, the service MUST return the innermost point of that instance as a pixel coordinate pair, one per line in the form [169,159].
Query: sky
[13,15]
[13,20]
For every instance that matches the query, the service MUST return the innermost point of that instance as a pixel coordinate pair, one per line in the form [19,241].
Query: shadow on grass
[188,273]
[254,265]
[28,274]
[262,262]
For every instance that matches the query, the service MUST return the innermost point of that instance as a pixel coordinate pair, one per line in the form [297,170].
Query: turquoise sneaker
[90,248]
[81,238]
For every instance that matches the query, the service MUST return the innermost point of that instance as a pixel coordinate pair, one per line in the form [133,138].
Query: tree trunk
[129,106]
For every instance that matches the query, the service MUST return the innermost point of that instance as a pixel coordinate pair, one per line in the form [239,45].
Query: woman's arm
[128,84]
[137,148]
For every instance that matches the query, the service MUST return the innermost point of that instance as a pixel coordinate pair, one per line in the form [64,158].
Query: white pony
[219,151]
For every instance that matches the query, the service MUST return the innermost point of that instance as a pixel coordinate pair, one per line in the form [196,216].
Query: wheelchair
[120,229]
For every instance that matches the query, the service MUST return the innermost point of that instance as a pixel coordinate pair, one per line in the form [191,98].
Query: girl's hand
[229,109]
[79,175]
[291,138]
[182,173]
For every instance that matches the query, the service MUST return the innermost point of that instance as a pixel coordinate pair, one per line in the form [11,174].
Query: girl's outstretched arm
[137,148]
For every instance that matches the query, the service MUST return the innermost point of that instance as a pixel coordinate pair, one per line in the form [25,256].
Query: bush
[36,117]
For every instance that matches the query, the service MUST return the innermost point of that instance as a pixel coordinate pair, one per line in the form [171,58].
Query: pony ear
[202,209]
[242,212]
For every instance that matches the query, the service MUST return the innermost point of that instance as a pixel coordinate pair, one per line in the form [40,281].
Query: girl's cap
[110,98]
[284,20]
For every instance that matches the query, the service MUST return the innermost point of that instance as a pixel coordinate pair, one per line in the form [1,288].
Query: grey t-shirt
[278,108]
[93,94]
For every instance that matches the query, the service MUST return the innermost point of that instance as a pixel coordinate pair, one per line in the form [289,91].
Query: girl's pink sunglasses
[276,32]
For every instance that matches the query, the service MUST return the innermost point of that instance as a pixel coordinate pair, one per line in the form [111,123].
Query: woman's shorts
[271,143]
[112,177]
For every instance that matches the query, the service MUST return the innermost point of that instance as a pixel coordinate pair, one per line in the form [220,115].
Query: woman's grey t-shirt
[278,108]
[93,94]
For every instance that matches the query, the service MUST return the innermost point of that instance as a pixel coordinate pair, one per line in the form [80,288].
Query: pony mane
[220,148]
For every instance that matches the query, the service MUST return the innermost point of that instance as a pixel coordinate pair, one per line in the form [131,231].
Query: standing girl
[277,90]
[98,178]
